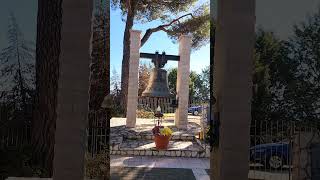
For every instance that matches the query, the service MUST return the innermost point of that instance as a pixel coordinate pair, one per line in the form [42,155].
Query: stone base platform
[139,141]
[147,148]
[145,133]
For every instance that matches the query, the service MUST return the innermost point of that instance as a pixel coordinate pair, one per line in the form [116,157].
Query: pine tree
[17,72]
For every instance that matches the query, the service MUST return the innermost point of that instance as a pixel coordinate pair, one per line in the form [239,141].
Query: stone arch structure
[181,114]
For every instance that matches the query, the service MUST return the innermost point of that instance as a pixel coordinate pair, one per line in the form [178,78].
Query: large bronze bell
[158,84]
[158,81]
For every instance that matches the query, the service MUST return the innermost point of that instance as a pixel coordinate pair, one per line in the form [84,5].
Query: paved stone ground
[142,136]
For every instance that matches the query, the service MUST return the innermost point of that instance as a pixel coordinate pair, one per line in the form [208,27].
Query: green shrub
[16,162]
[141,113]
[97,167]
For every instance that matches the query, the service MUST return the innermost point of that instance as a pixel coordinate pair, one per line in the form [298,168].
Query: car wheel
[195,113]
[275,162]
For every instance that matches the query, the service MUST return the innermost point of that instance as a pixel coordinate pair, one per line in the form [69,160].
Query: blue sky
[26,15]
[269,14]
[158,41]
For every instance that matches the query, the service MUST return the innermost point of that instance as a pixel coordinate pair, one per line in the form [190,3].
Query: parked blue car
[272,155]
[195,110]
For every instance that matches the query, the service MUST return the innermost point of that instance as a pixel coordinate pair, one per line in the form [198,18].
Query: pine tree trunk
[125,60]
[99,72]
[99,78]
[108,115]
[47,74]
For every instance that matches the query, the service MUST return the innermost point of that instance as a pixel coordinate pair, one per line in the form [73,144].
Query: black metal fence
[98,133]
[15,128]
[151,104]
[15,133]
[166,104]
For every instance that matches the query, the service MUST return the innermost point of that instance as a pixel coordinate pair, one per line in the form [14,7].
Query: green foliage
[168,12]
[172,80]
[151,10]
[142,113]
[198,27]
[96,167]
[117,109]
[286,75]
[194,77]
[199,85]
[264,56]
[203,85]
[304,89]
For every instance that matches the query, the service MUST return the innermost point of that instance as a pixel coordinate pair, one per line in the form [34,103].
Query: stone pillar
[69,150]
[181,114]
[133,80]
[234,51]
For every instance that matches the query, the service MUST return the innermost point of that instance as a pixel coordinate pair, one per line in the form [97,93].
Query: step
[147,148]
[145,133]
[149,136]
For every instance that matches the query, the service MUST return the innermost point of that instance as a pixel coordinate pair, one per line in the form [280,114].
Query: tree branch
[161,28]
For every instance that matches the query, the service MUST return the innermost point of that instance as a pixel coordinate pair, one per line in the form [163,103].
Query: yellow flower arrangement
[166,131]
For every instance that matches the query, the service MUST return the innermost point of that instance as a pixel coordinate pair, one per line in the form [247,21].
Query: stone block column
[233,61]
[133,80]
[181,114]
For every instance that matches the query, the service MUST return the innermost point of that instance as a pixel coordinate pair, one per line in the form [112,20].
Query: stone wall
[301,151]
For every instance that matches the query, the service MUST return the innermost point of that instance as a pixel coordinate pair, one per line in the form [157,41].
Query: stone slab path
[197,165]
[144,173]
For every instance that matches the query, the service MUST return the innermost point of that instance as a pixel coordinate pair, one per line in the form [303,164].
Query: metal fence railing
[151,104]
[98,133]
[15,137]
[17,134]
[15,129]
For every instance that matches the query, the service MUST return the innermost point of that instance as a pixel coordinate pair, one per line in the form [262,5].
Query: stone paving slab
[144,173]
[197,165]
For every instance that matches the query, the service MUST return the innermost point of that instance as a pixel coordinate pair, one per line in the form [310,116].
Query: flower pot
[161,141]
